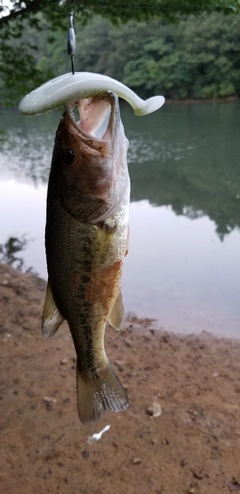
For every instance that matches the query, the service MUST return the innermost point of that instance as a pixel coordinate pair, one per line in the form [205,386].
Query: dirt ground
[193,446]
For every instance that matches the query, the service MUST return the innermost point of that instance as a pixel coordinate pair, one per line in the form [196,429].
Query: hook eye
[69,4]
[68,156]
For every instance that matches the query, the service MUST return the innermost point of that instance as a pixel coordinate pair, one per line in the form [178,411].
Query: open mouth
[96,116]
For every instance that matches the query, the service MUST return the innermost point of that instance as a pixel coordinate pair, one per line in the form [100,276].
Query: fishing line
[71,39]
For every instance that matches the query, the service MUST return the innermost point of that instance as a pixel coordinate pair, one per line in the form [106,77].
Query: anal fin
[52,318]
[116,316]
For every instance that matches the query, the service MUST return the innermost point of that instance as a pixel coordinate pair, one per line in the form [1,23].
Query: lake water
[183,266]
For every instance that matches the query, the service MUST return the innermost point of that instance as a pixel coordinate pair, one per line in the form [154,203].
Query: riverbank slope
[191,447]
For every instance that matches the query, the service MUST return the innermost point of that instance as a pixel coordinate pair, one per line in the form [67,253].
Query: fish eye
[69,156]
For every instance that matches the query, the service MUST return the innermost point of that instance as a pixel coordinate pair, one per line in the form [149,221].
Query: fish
[86,241]
[70,87]
[87,224]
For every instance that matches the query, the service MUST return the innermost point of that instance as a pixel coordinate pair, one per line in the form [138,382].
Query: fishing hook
[71,39]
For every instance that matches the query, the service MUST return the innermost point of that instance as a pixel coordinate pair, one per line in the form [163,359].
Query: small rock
[155,410]
[120,364]
[64,361]
[193,412]
[3,329]
[85,454]
[47,474]
[191,490]
[127,342]
[49,399]
[197,474]
[233,484]
[30,393]
[165,441]
[136,461]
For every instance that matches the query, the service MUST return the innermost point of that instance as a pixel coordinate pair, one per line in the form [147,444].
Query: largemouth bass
[86,242]
[87,224]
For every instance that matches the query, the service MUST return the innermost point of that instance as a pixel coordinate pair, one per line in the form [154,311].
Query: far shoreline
[168,101]
[188,101]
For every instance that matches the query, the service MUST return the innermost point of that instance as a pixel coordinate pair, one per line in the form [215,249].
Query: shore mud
[180,434]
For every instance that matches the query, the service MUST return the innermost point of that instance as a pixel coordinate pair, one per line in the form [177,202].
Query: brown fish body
[86,241]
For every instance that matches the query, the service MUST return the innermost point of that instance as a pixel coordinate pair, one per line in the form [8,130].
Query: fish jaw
[95,183]
[98,123]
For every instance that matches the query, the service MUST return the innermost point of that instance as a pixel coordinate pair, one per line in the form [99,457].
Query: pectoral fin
[52,318]
[116,316]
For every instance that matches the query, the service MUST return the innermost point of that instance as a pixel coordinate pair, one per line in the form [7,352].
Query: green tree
[19,53]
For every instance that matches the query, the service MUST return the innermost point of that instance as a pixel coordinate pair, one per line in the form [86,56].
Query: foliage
[115,10]
[197,57]
[9,250]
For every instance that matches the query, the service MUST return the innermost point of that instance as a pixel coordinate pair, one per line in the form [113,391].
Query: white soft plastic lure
[68,88]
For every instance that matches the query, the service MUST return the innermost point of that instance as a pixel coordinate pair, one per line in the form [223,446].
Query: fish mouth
[99,118]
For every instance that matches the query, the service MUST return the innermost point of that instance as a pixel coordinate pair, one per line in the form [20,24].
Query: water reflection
[27,147]
[195,167]
[184,166]
[179,272]
[185,156]
[23,212]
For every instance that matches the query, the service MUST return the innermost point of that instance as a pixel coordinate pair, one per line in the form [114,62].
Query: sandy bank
[192,447]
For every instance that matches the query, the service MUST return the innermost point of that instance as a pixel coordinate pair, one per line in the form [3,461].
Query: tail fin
[98,393]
